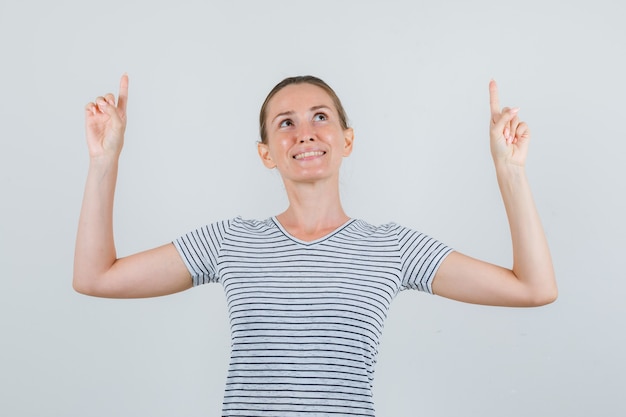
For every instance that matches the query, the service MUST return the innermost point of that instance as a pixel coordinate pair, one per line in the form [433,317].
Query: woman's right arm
[97,270]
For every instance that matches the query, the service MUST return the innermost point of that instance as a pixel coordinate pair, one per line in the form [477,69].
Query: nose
[305,132]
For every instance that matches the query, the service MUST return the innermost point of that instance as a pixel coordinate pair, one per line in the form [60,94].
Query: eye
[320,117]
[286,123]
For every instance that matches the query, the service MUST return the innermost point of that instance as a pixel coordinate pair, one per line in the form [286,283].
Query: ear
[349,141]
[264,153]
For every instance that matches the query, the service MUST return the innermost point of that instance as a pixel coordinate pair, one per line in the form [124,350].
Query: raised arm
[531,281]
[97,270]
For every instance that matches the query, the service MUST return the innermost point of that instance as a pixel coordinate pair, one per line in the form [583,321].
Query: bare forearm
[532,263]
[95,248]
[531,282]
[97,271]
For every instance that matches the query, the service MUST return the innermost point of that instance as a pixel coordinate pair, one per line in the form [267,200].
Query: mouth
[308,155]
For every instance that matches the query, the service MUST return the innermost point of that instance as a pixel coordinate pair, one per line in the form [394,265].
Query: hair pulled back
[301,79]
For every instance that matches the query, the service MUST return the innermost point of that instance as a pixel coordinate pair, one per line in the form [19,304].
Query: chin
[311,177]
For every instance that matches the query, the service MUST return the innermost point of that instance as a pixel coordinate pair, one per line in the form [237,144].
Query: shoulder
[251,224]
[387,232]
[405,238]
[239,222]
[388,229]
[238,226]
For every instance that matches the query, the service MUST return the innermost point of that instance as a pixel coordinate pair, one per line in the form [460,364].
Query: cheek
[336,136]
[279,145]
[282,143]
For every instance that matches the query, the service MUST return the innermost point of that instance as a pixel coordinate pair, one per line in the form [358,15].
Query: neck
[314,210]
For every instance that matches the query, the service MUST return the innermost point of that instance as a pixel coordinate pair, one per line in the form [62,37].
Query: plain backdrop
[413,77]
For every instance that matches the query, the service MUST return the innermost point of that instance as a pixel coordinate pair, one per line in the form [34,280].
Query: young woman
[309,289]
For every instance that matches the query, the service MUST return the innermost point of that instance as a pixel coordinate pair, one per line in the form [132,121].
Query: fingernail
[514,109]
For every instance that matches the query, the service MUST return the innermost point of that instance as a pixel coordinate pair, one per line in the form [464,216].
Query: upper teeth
[308,154]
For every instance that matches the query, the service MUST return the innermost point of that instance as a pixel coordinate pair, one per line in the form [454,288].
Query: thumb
[107,106]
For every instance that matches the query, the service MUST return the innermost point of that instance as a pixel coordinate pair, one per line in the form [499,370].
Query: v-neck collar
[311,242]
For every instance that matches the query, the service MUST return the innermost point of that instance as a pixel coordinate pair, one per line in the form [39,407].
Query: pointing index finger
[494,101]
[122,98]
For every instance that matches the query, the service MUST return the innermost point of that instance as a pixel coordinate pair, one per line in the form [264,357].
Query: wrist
[508,169]
[511,177]
[103,163]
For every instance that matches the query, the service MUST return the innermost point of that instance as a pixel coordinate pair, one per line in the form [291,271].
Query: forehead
[296,97]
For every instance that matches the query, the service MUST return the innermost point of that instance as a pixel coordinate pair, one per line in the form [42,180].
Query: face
[305,139]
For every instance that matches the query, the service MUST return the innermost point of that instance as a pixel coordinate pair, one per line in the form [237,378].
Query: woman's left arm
[531,282]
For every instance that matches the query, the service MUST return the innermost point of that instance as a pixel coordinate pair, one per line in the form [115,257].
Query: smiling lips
[310,154]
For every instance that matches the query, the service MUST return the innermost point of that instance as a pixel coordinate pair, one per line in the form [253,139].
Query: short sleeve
[200,251]
[421,256]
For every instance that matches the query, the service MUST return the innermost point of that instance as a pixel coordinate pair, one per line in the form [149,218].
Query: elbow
[80,279]
[84,285]
[79,286]
[544,297]
[96,285]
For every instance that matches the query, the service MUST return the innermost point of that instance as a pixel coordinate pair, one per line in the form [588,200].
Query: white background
[413,77]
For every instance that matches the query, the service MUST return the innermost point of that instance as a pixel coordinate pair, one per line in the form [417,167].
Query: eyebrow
[291,112]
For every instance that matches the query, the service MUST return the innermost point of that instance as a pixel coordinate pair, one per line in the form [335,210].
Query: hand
[509,136]
[105,123]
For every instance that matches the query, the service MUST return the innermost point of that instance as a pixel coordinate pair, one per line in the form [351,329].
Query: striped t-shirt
[306,317]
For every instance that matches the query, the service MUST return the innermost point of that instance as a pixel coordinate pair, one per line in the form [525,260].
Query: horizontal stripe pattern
[306,317]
